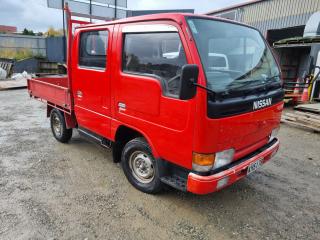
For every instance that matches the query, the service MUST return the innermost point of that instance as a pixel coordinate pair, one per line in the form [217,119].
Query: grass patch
[17,54]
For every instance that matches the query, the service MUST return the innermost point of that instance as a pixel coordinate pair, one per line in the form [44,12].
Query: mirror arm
[213,93]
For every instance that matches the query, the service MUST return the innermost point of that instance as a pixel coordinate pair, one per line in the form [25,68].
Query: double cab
[184,100]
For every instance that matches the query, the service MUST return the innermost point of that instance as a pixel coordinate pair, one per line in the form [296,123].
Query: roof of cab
[177,17]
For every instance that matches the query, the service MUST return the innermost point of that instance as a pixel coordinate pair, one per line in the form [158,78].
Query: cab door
[91,74]
[148,84]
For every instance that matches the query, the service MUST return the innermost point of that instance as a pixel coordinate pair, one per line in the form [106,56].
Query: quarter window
[157,54]
[93,49]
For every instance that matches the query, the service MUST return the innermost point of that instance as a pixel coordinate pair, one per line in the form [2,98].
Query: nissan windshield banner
[100,9]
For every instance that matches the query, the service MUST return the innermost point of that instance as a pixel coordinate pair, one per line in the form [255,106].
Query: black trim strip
[234,106]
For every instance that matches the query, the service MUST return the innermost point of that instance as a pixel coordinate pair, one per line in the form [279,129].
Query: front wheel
[140,167]
[58,126]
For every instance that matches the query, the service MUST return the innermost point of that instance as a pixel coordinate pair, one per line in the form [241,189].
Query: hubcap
[56,125]
[142,168]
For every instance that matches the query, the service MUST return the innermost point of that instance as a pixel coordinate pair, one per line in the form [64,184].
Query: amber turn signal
[203,159]
[202,162]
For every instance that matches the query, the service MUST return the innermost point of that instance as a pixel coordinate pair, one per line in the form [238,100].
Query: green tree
[28,32]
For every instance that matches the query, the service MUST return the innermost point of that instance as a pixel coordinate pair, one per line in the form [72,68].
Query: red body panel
[174,128]
[245,132]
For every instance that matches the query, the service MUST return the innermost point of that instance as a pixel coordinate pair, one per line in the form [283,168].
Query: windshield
[234,57]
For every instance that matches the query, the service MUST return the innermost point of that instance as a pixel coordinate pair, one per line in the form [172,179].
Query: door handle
[79,94]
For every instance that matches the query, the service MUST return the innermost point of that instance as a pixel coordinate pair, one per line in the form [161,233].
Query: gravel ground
[50,190]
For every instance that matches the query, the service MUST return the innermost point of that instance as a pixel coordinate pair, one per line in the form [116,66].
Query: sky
[34,14]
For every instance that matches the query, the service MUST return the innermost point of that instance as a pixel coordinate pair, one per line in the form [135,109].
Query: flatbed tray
[52,89]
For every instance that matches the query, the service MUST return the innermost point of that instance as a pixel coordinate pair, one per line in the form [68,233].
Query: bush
[53,32]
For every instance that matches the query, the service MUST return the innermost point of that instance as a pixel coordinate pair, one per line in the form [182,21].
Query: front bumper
[207,184]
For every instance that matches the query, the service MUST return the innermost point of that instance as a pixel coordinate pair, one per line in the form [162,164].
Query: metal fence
[14,42]
[50,47]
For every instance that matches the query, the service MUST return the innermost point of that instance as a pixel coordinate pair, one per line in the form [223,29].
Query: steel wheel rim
[141,166]
[56,125]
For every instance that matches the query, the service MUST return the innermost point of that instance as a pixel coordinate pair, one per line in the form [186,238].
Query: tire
[58,126]
[140,167]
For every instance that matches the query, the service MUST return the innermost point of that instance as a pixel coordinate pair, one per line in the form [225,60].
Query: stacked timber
[302,119]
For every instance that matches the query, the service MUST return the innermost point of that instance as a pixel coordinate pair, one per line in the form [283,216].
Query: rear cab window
[157,54]
[93,49]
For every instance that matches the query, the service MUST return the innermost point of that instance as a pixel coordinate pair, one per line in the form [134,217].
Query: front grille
[240,105]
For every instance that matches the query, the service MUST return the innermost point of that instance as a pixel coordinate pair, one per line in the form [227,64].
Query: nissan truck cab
[189,101]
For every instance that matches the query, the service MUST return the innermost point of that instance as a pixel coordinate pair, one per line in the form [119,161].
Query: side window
[158,54]
[93,49]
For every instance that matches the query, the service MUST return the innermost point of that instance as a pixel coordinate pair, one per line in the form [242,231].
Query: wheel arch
[49,109]
[70,119]
[124,134]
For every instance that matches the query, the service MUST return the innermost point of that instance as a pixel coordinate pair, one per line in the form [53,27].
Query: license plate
[254,166]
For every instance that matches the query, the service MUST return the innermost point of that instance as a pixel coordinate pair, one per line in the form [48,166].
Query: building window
[93,49]
[232,15]
[156,54]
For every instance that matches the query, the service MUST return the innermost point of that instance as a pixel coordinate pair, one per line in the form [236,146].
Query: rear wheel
[58,126]
[140,166]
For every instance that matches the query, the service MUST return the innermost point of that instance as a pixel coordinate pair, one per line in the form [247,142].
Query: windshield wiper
[213,93]
[265,84]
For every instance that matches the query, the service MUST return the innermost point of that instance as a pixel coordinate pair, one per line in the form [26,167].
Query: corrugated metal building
[283,24]
[134,13]
[269,15]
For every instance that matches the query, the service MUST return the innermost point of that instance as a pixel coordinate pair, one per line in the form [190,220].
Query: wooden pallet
[312,108]
[7,65]
[302,119]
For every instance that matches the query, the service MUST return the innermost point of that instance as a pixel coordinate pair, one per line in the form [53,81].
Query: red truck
[184,100]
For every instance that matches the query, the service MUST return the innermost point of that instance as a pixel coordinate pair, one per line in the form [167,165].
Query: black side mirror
[188,81]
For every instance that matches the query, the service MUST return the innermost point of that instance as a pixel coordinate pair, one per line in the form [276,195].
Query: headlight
[274,133]
[223,158]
